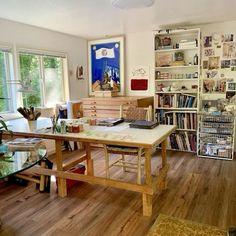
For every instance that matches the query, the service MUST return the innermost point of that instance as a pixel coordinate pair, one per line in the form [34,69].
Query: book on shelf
[187,141]
[165,47]
[183,141]
[187,44]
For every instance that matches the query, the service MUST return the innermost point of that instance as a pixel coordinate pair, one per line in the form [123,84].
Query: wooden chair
[132,113]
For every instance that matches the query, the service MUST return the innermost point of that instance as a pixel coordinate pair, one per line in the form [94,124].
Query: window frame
[42,54]
[9,73]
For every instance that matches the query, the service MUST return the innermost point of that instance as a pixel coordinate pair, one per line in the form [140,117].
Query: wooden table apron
[147,189]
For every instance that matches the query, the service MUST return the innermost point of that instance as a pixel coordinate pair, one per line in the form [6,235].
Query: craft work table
[117,135]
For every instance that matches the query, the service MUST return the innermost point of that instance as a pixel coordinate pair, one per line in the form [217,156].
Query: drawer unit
[216,136]
[110,107]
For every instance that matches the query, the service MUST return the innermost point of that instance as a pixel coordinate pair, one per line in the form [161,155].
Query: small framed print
[231,86]
[207,41]
[214,63]
[225,64]
[205,65]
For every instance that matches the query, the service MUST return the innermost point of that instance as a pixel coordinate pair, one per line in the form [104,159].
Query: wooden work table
[117,135]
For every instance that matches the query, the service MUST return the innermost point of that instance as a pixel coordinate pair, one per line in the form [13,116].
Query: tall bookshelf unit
[177,72]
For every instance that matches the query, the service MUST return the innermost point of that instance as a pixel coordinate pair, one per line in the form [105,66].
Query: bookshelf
[177,72]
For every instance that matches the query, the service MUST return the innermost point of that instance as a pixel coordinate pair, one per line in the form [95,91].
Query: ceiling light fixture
[129,4]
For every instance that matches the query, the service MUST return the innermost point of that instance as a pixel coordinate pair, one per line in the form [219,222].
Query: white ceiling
[98,18]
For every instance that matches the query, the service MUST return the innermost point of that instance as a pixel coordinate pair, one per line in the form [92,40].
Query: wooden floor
[202,190]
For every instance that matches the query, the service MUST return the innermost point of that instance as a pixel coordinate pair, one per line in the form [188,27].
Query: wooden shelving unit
[177,70]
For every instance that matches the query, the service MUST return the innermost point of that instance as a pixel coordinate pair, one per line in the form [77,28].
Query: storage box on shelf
[177,70]
[216,136]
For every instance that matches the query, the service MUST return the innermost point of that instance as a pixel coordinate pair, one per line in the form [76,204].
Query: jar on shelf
[166,41]
[195,59]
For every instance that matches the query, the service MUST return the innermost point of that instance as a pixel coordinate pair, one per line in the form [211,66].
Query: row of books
[183,120]
[177,100]
[186,120]
[183,141]
[187,44]
[165,117]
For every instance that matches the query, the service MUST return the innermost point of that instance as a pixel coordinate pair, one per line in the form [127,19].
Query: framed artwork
[207,41]
[209,52]
[205,64]
[225,64]
[139,78]
[228,37]
[106,65]
[214,63]
[231,86]
[229,49]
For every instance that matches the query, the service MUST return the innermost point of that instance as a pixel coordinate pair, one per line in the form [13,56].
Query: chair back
[136,113]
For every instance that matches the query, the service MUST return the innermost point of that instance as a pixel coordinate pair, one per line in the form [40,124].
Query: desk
[117,135]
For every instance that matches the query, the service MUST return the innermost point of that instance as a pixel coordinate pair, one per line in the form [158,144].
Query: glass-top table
[17,161]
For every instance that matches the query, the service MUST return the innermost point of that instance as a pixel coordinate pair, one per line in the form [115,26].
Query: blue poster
[105,66]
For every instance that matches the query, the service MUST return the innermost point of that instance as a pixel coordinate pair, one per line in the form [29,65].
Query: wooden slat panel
[104,107]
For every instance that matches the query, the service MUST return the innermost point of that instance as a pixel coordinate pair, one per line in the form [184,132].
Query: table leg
[90,170]
[163,184]
[62,190]
[147,198]
[42,178]
[163,152]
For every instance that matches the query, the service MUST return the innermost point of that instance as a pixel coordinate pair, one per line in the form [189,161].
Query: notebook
[143,124]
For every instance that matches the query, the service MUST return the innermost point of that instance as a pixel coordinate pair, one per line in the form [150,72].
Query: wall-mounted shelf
[174,67]
[175,49]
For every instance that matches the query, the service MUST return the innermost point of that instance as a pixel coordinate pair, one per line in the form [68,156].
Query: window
[5,60]
[45,73]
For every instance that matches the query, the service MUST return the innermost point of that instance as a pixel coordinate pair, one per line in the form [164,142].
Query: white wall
[21,35]
[139,51]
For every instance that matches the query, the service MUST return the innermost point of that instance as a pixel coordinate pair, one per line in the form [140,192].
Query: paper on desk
[25,141]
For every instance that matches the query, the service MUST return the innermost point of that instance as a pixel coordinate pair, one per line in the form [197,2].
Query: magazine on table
[19,144]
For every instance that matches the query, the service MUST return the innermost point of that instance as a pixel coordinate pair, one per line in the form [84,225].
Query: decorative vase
[32,125]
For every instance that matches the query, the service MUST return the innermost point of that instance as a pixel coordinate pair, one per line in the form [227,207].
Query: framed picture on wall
[106,65]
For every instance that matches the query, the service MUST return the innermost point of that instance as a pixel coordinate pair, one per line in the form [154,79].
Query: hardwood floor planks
[198,189]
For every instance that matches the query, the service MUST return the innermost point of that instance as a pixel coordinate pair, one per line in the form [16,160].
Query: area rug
[171,226]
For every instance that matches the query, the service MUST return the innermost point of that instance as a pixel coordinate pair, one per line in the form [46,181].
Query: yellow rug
[171,226]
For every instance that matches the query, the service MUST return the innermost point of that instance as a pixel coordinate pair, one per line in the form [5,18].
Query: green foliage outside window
[47,82]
